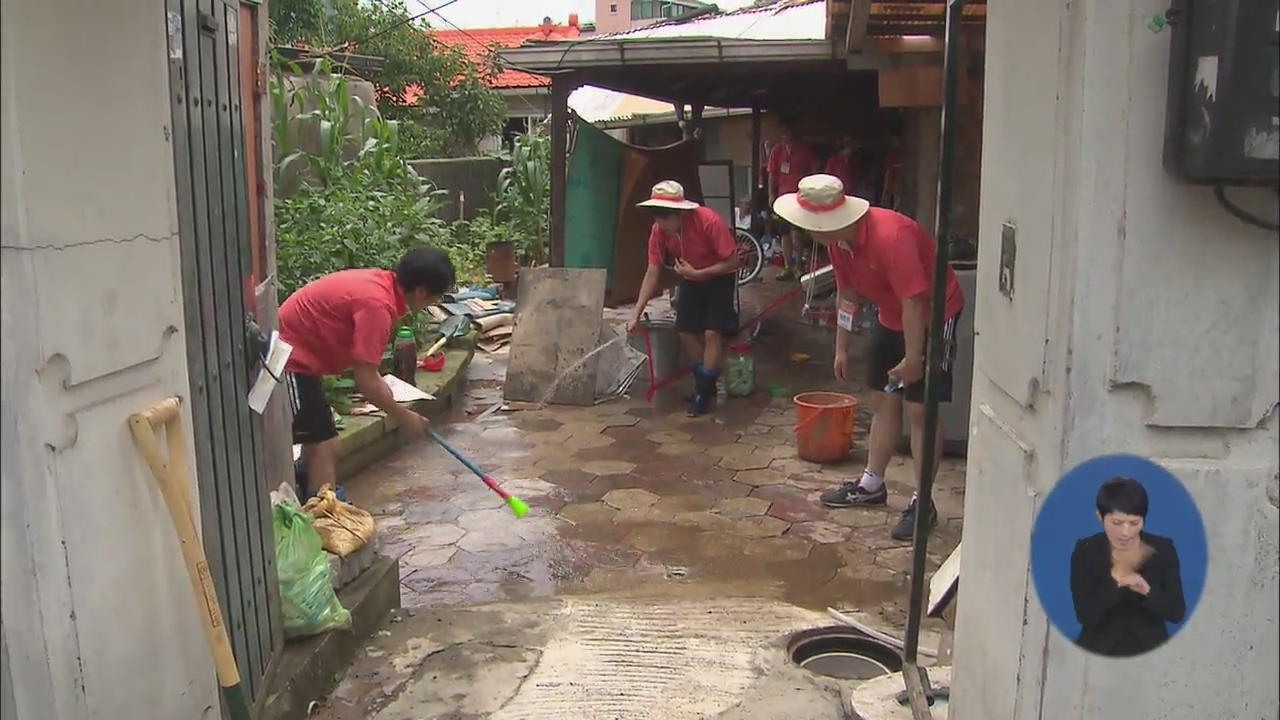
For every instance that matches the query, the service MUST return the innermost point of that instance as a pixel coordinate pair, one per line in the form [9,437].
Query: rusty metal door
[215,205]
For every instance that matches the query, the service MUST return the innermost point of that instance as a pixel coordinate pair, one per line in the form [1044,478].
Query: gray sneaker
[851,494]
[906,527]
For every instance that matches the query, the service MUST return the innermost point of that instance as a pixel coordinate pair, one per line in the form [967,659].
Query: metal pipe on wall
[933,361]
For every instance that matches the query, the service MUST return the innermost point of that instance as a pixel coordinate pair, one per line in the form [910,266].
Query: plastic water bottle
[868,316]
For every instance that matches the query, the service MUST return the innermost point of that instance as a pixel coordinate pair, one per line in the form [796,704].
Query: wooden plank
[560,89]
[557,325]
[856,30]
[911,86]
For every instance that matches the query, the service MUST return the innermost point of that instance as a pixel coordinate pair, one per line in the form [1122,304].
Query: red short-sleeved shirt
[789,163]
[341,319]
[842,167]
[704,240]
[891,260]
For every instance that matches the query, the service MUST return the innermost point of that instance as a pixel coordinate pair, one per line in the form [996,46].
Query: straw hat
[668,194]
[820,205]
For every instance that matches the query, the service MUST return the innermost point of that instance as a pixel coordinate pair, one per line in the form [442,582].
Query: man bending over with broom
[697,243]
[343,321]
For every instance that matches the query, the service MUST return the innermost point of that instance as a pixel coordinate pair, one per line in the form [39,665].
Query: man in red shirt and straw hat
[697,243]
[889,259]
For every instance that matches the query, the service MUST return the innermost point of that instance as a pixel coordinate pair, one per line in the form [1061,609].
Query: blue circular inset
[1069,515]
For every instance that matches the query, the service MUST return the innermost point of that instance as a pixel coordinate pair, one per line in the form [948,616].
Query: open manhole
[844,653]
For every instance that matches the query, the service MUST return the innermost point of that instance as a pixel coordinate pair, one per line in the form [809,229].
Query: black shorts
[710,306]
[312,416]
[888,347]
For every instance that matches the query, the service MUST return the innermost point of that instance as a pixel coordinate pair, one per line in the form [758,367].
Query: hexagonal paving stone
[760,526]
[705,521]
[652,538]
[861,517]
[482,520]
[797,511]
[527,487]
[425,557]
[677,504]
[629,498]
[820,532]
[478,499]
[596,513]
[433,534]
[608,467]
[668,436]
[533,527]
[632,516]
[742,507]
[583,427]
[728,449]
[781,491]
[619,420]
[583,442]
[776,419]
[778,548]
[491,539]
[680,449]
[745,462]
[794,466]
[756,478]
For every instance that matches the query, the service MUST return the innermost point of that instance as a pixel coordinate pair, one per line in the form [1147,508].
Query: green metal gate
[214,205]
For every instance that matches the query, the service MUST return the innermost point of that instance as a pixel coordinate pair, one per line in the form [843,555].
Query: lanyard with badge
[785,165]
[846,309]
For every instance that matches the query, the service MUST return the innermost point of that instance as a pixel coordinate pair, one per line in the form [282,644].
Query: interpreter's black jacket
[1117,621]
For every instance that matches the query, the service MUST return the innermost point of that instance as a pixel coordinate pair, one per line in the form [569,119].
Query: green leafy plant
[524,194]
[357,202]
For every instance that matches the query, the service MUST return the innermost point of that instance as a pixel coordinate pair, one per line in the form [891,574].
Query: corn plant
[524,192]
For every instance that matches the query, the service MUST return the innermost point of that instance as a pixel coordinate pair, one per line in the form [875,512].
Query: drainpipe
[913,676]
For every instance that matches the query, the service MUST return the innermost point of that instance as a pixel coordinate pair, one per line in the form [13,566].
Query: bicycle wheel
[750,256]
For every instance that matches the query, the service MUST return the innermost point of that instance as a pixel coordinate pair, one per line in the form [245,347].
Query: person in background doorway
[789,161]
[843,164]
[1125,583]
[343,321]
[697,243]
[888,259]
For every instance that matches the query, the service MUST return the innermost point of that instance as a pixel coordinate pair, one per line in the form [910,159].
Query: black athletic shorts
[710,306]
[312,416]
[888,348]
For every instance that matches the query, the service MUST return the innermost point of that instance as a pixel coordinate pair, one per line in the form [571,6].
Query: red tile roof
[479,43]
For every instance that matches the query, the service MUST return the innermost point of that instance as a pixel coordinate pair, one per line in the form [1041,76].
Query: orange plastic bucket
[824,426]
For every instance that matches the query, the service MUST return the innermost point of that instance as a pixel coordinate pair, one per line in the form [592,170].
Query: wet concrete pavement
[636,505]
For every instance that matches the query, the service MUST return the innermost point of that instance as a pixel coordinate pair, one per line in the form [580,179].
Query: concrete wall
[99,620]
[470,183]
[1144,320]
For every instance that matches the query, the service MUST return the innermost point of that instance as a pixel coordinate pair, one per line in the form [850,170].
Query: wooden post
[756,142]
[561,86]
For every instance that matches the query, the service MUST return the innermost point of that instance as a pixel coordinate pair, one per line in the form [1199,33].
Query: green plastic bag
[307,600]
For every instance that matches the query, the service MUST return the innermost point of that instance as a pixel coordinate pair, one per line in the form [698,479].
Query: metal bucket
[665,343]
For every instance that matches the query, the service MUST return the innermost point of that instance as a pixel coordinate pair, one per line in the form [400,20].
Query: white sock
[871,481]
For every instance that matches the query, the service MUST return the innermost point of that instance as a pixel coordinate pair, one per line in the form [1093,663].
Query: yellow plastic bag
[344,528]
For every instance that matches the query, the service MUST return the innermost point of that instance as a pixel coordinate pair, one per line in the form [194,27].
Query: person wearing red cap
[697,243]
[889,259]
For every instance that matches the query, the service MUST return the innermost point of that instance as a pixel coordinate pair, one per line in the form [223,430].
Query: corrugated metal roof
[784,20]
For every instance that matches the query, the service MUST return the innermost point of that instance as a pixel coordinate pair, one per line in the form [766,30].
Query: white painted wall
[1144,321]
[99,619]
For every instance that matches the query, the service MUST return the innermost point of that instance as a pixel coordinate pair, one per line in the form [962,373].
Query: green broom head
[518,506]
